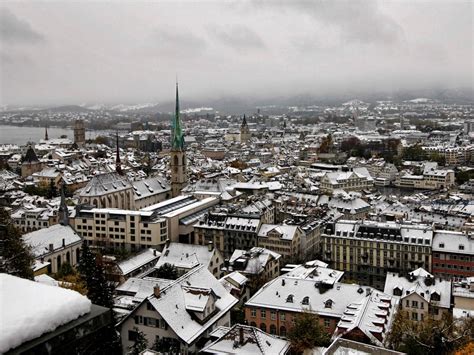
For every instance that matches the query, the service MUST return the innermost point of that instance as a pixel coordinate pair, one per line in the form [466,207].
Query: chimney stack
[64,242]
[156,291]
[167,242]
[210,246]
[51,247]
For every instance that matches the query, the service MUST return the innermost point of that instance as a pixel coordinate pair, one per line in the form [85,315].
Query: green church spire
[177,137]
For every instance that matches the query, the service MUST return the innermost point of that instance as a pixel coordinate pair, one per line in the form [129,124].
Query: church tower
[177,153]
[79,133]
[244,131]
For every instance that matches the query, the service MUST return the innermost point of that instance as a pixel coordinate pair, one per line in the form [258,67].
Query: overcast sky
[88,51]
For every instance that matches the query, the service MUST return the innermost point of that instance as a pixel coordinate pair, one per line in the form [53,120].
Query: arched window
[78,255]
[184,160]
[50,266]
[253,324]
[59,261]
[94,202]
[305,300]
[175,160]
[68,257]
[273,329]
[282,331]
[263,327]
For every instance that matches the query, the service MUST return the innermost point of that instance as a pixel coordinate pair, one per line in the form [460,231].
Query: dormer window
[328,304]
[461,247]
[289,299]
[441,245]
[305,300]
[397,291]
[435,296]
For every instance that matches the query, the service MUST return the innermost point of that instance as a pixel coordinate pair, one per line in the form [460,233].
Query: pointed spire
[63,211]
[244,121]
[118,164]
[46,133]
[177,138]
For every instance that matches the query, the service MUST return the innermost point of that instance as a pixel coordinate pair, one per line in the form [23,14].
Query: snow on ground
[29,309]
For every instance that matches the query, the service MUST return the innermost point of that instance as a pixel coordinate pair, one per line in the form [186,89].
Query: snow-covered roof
[246,340]
[453,242]
[137,261]
[298,295]
[287,232]
[373,315]
[418,283]
[58,235]
[185,256]
[171,304]
[30,309]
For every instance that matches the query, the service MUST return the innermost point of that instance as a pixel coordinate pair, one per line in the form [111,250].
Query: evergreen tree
[140,343]
[307,333]
[15,256]
[167,271]
[100,292]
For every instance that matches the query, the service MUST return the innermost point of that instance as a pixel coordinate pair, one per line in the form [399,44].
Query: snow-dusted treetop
[29,309]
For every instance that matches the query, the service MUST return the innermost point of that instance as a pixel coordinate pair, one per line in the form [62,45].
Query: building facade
[366,250]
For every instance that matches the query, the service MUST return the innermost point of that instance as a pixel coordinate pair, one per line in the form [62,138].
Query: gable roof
[243,339]
[171,304]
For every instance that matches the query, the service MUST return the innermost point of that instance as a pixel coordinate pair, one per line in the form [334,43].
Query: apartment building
[283,239]
[228,233]
[117,228]
[421,294]
[275,306]
[453,254]
[367,250]
[356,180]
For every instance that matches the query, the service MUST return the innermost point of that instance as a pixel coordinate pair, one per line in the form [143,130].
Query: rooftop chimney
[64,242]
[156,291]
[210,246]
[51,247]
[167,242]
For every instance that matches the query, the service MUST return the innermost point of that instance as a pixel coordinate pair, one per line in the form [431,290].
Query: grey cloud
[17,31]
[177,42]
[357,20]
[237,36]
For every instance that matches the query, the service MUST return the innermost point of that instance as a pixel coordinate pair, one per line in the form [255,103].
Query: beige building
[54,246]
[367,250]
[283,239]
[421,295]
[357,180]
[180,314]
[181,213]
[117,228]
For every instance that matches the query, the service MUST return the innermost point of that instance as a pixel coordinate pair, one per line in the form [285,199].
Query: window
[273,329]
[263,327]
[273,315]
[289,299]
[414,304]
[282,331]
[132,335]
[263,313]
[327,323]
[305,300]
[461,247]
[282,316]
[414,316]
[441,245]
[253,312]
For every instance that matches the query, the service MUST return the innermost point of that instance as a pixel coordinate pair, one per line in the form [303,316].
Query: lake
[22,134]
